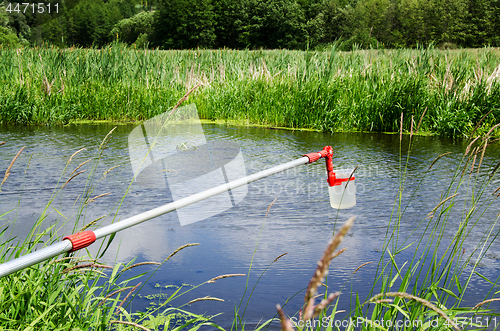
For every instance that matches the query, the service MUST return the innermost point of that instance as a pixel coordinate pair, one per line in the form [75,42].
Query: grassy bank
[446,92]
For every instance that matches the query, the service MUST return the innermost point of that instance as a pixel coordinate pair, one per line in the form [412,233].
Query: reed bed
[328,90]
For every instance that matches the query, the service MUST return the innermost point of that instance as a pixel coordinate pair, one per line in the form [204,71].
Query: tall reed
[327,90]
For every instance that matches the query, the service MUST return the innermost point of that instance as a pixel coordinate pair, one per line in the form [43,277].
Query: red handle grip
[81,239]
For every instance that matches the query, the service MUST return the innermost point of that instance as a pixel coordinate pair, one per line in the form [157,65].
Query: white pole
[67,245]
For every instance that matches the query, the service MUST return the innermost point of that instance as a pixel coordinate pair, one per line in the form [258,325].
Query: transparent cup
[343,195]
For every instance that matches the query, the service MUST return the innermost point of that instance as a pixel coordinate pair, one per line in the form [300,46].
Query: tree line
[253,24]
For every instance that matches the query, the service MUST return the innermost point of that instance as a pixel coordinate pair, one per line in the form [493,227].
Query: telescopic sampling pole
[81,240]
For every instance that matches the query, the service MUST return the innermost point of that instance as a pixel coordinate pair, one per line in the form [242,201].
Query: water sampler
[341,189]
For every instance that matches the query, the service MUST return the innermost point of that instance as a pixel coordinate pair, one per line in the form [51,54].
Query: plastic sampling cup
[343,192]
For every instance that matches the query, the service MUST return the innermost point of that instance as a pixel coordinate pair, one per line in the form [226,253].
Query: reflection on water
[299,223]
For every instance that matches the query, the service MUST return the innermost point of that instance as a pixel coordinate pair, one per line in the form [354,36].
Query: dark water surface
[300,222]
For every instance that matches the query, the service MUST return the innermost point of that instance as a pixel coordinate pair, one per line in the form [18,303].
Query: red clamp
[327,153]
[81,239]
[313,157]
[329,165]
[338,181]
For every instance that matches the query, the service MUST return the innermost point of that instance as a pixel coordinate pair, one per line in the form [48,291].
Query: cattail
[224,276]
[322,269]
[207,298]
[178,250]
[279,257]
[286,324]
[7,172]
[72,155]
[97,197]
[361,266]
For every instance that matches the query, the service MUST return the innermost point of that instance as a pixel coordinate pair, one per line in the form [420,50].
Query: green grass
[75,291]
[449,92]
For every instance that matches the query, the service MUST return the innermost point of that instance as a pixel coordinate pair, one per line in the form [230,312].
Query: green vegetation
[241,24]
[441,92]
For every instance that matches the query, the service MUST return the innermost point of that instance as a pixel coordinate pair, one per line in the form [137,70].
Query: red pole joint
[327,153]
[329,165]
[313,157]
[81,239]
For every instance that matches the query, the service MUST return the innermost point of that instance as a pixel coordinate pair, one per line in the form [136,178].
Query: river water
[299,223]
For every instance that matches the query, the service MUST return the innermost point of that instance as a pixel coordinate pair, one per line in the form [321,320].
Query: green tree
[229,15]
[274,24]
[7,37]
[413,24]
[478,23]
[494,38]
[327,21]
[129,29]
[185,24]
[373,18]
[445,20]
[89,23]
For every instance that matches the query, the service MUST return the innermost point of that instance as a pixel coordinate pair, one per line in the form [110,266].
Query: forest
[252,24]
